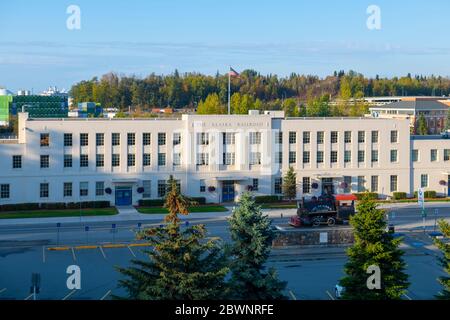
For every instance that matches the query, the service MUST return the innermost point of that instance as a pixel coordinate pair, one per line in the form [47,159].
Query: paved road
[311,272]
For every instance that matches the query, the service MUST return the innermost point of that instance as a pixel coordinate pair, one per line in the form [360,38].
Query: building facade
[216,156]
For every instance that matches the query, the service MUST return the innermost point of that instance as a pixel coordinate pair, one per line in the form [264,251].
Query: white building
[216,157]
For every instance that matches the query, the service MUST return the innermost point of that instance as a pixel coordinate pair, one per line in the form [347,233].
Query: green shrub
[151,203]
[427,194]
[53,206]
[199,200]
[369,195]
[267,199]
[399,195]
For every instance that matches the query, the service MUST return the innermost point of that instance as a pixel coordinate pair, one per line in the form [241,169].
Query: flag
[233,73]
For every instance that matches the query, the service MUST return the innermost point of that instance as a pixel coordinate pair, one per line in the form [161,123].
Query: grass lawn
[58,213]
[292,205]
[206,208]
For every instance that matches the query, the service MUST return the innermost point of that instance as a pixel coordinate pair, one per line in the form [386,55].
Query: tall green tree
[252,241]
[290,107]
[211,105]
[422,128]
[373,246]
[183,264]
[290,184]
[444,226]
[447,121]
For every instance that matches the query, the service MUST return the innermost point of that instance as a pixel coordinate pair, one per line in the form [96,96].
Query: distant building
[5,100]
[40,106]
[54,92]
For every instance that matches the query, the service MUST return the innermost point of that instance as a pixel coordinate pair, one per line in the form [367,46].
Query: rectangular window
[229,158]
[446,154]
[255,138]
[415,155]
[255,158]
[347,136]
[146,138]
[45,139]
[131,138]
[394,155]
[161,139]
[320,136]
[278,157]
[229,138]
[45,161]
[279,137]
[176,138]
[278,185]
[255,184]
[361,136]
[347,156]
[374,136]
[67,189]
[361,156]
[306,156]
[433,155]
[44,190]
[334,157]
[100,139]
[423,180]
[361,183]
[394,136]
[348,184]
[293,137]
[4,191]
[99,188]
[177,159]
[131,161]
[202,138]
[292,157]
[147,185]
[84,161]
[374,184]
[394,183]
[115,139]
[161,188]
[320,157]
[115,160]
[306,137]
[306,185]
[84,139]
[161,159]
[146,159]
[68,140]
[68,162]
[84,189]
[17,162]
[374,156]
[202,186]
[334,137]
[100,160]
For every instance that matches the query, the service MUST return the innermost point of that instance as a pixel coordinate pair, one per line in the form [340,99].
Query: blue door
[123,196]
[228,191]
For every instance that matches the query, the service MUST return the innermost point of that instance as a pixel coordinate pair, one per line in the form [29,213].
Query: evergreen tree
[290,184]
[444,260]
[183,264]
[252,240]
[373,246]
[422,128]
[447,121]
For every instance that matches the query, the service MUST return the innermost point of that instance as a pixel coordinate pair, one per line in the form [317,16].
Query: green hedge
[54,206]
[267,199]
[199,200]
[151,203]
[399,195]
[369,195]
[428,194]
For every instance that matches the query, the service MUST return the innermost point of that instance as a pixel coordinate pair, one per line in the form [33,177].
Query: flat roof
[415,104]
[429,137]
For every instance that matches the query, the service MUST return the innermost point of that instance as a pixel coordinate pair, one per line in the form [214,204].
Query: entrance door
[327,186]
[124,196]
[228,191]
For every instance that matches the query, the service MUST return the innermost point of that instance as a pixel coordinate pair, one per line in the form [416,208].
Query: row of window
[334,137]
[433,155]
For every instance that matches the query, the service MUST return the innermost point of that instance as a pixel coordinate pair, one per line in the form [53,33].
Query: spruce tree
[252,240]
[183,264]
[422,126]
[373,246]
[444,260]
[290,184]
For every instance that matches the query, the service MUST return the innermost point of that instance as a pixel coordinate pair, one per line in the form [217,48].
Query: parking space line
[2,290]
[131,250]
[329,294]
[73,254]
[28,298]
[43,254]
[103,252]
[292,295]
[106,295]
[69,294]
[407,297]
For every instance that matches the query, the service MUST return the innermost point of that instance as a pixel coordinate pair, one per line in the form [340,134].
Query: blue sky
[283,36]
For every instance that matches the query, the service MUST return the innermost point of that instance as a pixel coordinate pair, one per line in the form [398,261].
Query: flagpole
[229,91]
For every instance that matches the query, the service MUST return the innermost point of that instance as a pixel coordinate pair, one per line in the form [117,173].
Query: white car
[338,291]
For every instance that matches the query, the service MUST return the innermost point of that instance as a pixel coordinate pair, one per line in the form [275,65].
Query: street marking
[131,250]
[103,252]
[73,255]
[43,254]
[112,246]
[292,295]
[69,295]
[28,298]
[329,294]
[2,290]
[407,297]
[106,295]
[58,248]
[85,247]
